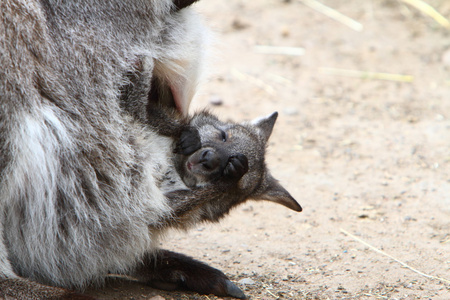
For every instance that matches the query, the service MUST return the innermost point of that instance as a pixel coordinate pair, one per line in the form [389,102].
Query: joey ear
[180,4]
[265,124]
[274,192]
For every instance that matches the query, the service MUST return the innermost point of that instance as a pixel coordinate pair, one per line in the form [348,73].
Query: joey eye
[223,136]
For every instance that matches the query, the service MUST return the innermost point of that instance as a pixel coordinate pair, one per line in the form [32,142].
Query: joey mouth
[204,164]
[207,165]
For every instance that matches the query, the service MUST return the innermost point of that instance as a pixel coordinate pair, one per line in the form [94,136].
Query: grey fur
[81,170]
[78,172]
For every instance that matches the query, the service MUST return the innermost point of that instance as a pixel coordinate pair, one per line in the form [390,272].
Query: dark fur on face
[218,158]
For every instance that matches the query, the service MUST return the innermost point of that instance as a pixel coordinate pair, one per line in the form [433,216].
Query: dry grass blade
[292,51]
[333,14]
[393,258]
[269,292]
[280,79]
[367,75]
[256,81]
[376,296]
[430,11]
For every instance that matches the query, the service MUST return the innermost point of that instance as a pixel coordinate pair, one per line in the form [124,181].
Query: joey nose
[209,160]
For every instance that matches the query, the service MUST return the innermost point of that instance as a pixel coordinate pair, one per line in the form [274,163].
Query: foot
[173,271]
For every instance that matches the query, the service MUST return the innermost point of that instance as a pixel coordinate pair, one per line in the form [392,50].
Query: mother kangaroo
[79,167]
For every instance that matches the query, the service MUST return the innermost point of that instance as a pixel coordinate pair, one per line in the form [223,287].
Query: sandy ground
[363,156]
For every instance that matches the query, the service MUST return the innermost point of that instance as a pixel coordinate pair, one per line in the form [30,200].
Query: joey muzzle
[210,163]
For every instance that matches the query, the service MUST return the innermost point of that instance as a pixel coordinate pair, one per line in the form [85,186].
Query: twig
[333,14]
[430,11]
[391,257]
[267,290]
[378,296]
[367,75]
[292,51]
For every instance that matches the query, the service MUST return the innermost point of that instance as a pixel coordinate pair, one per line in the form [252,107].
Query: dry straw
[333,14]
[367,74]
[393,258]
[253,80]
[290,51]
[428,10]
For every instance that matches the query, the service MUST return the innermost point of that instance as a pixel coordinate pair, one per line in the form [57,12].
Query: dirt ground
[363,156]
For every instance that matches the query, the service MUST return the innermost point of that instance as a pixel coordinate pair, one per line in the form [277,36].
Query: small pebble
[216,101]
[238,24]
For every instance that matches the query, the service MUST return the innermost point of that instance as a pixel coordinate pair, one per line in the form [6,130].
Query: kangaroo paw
[173,271]
[189,141]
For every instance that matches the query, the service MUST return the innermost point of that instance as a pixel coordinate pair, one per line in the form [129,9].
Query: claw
[237,166]
[189,142]
[234,291]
